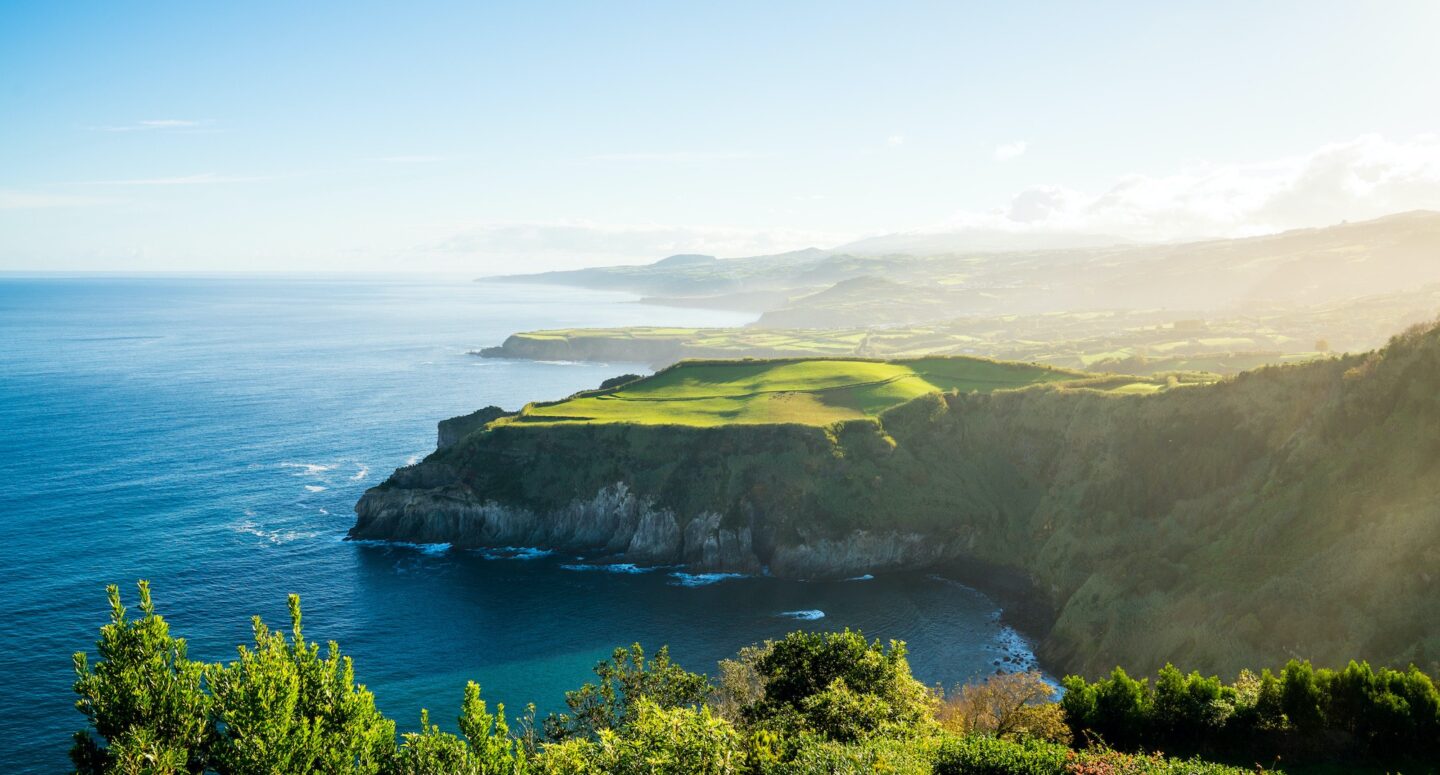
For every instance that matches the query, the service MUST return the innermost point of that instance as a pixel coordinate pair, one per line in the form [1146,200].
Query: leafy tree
[1116,708]
[625,679]
[1302,697]
[1006,705]
[656,741]
[1190,708]
[816,679]
[432,751]
[144,699]
[491,745]
[281,707]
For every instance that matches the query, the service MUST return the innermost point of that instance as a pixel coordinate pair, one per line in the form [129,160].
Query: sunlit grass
[810,391]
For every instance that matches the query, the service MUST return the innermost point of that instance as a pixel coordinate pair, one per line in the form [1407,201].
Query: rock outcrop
[617,523]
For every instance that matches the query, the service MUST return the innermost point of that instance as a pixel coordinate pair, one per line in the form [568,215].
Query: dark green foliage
[1305,714]
[991,756]
[625,679]
[614,382]
[839,686]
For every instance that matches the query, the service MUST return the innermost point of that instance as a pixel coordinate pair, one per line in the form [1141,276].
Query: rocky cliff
[1289,511]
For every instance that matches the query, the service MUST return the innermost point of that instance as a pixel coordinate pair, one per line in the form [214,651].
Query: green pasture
[811,392]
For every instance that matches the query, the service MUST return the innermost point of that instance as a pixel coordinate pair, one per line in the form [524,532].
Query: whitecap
[515,553]
[427,549]
[309,469]
[619,567]
[315,488]
[808,615]
[362,473]
[277,537]
[866,577]
[701,579]
[412,460]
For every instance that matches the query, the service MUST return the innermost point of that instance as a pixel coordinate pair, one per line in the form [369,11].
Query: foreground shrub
[143,700]
[487,748]
[1303,714]
[657,741]
[1008,706]
[281,706]
[992,756]
[893,756]
[626,679]
[838,686]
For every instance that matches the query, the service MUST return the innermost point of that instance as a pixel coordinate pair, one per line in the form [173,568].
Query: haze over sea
[212,435]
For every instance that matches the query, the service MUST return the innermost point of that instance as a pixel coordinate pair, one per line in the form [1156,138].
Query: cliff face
[533,494]
[1290,511]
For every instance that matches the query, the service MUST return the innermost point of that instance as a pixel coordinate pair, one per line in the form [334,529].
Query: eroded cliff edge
[1289,511]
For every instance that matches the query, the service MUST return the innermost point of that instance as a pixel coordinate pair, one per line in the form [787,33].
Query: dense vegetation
[1288,512]
[808,703]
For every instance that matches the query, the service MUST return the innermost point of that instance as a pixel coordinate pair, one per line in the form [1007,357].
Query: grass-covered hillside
[803,391]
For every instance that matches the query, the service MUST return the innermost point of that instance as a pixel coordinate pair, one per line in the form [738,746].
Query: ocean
[212,434]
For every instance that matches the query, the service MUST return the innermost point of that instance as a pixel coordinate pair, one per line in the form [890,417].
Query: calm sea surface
[212,435]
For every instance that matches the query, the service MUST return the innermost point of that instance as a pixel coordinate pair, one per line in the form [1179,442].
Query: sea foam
[701,579]
[808,615]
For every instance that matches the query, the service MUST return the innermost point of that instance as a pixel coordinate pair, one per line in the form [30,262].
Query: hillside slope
[1291,511]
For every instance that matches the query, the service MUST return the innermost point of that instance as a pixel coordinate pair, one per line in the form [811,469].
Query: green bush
[992,756]
[809,703]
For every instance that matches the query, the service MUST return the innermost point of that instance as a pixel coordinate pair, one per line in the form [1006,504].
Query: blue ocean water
[213,434]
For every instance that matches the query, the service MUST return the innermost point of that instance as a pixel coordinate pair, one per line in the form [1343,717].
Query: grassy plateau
[801,391]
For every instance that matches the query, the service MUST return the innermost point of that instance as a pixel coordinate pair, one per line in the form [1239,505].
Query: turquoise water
[212,435]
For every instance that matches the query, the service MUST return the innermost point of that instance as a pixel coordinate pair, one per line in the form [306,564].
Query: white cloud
[1009,151]
[1363,178]
[154,124]
[526,246]
[895,141]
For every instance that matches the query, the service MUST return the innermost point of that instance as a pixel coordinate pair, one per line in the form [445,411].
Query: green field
[810,392]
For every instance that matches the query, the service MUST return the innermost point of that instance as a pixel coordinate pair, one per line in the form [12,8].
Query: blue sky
[489,137]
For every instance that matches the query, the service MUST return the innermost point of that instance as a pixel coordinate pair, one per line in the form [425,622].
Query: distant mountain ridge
[1302,267]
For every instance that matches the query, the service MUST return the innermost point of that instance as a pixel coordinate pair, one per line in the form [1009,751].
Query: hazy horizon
[490,140]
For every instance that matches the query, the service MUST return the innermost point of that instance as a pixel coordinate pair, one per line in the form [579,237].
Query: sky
[489,138]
